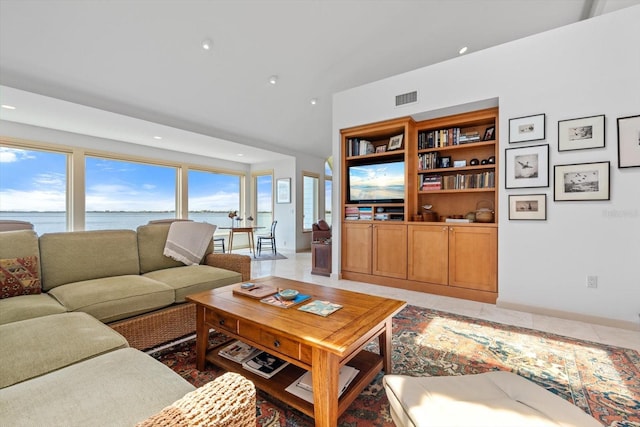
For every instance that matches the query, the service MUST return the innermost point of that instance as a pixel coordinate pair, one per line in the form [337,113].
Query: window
[328,186]
[121,194]
[263,199]
[309,200]
[212,196]
[33,187]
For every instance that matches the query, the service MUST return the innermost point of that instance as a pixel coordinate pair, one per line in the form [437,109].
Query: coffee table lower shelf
[368,363]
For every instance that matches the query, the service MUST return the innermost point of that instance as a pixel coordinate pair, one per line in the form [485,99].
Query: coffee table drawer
[221,321]
[278,343]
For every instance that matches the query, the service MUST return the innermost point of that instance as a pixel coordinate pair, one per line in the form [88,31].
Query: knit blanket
[187,241]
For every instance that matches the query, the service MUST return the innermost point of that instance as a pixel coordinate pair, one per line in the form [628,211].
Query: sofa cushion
[152,239]
[118,388]
[191,279]
[114,298]
[27,307]
[52,342]
[83,255]
[19,276]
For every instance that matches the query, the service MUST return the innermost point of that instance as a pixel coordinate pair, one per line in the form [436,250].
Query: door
[428,253]
[473,259]
[356,248]
[390,250]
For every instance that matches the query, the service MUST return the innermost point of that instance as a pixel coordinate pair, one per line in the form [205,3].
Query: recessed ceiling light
[157,137]
[273,79]
[240,154]
[206,44]
[8,107]
[463,50]
[314,101]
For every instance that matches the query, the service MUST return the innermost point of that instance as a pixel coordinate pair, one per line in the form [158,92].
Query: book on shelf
[279,302]
[459,220]
[238,352]
[321,308]
[265,364]
[303,386]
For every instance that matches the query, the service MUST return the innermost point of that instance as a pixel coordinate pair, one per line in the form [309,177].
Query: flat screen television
[381,182]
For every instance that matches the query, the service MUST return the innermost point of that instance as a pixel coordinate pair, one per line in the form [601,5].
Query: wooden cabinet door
[473,258]
[356,248]
[428,253]
[390,250]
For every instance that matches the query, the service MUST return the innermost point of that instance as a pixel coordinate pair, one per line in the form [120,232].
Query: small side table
[321,258]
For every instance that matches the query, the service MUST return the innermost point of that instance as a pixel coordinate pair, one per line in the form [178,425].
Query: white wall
[589,68]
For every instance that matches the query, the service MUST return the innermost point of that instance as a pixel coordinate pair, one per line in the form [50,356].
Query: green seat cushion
[118,388]
[191,279]
[52,342]
[114,298]
[27,307]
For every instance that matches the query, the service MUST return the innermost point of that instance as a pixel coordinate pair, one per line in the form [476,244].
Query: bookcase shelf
[395,244]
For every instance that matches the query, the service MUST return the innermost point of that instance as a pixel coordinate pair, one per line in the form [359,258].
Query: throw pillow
[19,276]
[322,225]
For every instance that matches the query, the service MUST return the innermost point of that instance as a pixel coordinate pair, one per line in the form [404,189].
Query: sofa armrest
[233,262]
[229,401]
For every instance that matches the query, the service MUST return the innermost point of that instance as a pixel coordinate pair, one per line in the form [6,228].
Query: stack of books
[303,386]
[431,182]
[366,213]
[359,147]
[351,213]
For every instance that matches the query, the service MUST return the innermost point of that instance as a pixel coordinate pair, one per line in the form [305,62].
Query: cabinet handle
[221,322]
[445,228]
[276,343]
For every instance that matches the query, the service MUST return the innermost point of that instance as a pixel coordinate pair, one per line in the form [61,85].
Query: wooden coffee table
[308,341]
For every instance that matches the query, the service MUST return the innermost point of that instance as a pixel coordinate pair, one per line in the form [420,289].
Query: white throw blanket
[187,241]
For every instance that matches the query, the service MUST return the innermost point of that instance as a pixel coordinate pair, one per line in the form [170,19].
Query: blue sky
[33,180]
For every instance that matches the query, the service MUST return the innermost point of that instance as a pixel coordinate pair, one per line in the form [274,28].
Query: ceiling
[140,66]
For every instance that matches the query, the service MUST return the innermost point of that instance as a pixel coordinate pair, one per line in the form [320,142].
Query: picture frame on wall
[528,128]
[395,142]
[628,142]
[283,190]
[581,134]
[527,167]
[582,181]
[528,207]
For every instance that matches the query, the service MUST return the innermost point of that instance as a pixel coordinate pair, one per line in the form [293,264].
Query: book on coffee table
[238,351]
[256,292]
[279,302]
[321,308]
[264,364]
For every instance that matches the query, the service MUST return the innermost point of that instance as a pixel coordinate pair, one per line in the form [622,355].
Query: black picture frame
[628,141]
[527,128]
[527,167]
[582,182]
[582,133]
[528,207]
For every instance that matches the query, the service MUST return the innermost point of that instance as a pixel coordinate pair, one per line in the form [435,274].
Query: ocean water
[52,222]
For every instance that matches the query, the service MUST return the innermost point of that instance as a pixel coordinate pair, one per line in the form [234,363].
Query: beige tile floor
[298,266]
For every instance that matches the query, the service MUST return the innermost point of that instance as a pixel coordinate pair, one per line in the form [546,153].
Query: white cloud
[10,155]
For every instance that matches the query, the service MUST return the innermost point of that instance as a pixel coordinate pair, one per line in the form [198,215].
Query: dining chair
[269,239]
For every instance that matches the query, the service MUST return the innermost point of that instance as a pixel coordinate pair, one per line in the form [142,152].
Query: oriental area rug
[602,380]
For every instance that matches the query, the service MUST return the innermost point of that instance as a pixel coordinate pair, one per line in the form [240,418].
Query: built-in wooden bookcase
[387,242]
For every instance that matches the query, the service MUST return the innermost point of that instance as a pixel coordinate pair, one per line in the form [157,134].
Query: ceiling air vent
[406,98]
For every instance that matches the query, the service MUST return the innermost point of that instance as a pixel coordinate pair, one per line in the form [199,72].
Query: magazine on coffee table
[264,364]
[279,302]
[238,352]
[321,308]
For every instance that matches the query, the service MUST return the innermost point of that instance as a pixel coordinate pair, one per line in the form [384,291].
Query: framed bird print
[528,206]
[583,181]
[527,167]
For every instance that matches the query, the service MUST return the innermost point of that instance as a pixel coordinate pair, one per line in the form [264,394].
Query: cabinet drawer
[278,343]
[221,321]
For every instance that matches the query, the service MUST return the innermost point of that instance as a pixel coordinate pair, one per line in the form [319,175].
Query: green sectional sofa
[120,277]
[71,336]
